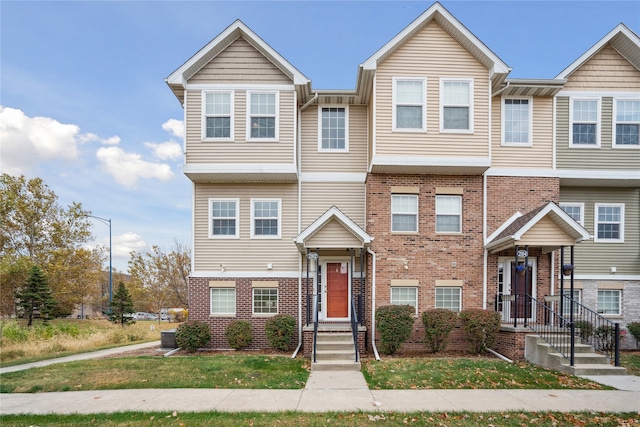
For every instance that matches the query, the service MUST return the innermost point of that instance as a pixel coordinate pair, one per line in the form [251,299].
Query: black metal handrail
[354,327]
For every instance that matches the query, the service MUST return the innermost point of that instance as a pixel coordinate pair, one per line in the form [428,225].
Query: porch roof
[547,226]
[333,216]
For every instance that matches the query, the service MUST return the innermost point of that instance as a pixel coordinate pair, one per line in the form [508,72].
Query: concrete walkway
[325,391]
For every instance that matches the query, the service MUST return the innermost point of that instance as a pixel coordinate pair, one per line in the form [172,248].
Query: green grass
[631,361]
[466,373]
[220,371]
[297,419]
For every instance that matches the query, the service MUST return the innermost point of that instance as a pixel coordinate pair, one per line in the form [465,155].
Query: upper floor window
[263,115]
[627,123]
[609,222]
[224,218]
[265,218]
[584,122]
[218,116]
[409,98]
[334,129]
[516,121]
[448,214]
[575,211]
[456,99]
[404,213]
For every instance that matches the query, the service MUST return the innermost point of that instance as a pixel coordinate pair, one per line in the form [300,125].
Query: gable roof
[621,38]
[515,227]
[178,79]
[332,213]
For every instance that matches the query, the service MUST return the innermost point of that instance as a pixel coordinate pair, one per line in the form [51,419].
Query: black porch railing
[354,327]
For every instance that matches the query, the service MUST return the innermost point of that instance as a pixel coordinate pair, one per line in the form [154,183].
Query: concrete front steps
[586,360]
[335,351]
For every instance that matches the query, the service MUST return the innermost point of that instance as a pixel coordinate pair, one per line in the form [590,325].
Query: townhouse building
[438,182]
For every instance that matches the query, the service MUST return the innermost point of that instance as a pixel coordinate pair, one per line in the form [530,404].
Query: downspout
[502,90]
[373,303]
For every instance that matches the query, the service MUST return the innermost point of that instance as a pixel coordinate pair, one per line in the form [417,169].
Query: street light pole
[108,222]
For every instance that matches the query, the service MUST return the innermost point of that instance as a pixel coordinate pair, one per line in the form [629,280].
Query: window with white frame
[263,115]
[404,213]
[224,218]
[627,124]
[456,98]
[609,222]
[516,121]
[334,129]
[575,211]
[566,303]
[223,301]
[218,115]
[265,218]
[409,99]
[448,214]
[401,295]
[265,300]
[584,122]
[449,298]
[609,301]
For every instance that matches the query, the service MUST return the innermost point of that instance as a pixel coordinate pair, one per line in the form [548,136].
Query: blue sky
[84,105]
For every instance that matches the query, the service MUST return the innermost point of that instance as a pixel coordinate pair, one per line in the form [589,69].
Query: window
[265,301]
[404,296]
[265,218]
[609,301]
[448,214]
[449,298]
[334,130]
[263,112]
[404,213]
[409,112]
[627,127]
[575,211]
[224,218]
[456,99]
[609,222]
[516,121]
[584,122]
[566,303]
[223,300]
[218,117]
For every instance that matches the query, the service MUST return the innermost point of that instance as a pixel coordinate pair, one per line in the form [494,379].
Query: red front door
[337,290]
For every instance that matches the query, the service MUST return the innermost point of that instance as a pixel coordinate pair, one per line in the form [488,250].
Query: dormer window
[263,116]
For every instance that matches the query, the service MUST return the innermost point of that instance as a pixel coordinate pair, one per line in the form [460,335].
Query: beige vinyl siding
[431,54]
[240,150]
[240,63]
[318,197]
[244,253]
[605,71]
[333,235]
[597,257]
[604,158]
[353,161]
[539,155]
[546,233]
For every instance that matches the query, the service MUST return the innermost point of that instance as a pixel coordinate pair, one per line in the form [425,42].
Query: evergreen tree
[36,296]
[122,306]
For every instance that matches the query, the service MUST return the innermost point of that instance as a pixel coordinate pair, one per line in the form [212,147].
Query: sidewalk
[324,391]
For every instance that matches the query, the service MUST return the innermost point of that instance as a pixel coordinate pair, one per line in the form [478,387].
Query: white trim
[608,277]
[594,94]
[541,173]
[210,201]
[240,87]
[253,218]
[253,300]
[346,129]
[240,168]
[458,288]
[502,227]
[275,116]
[596,222]
[235,300]
[359,177]
[528,143]
[245,274]
[620,307]
[615,123]
[392,288]
[575,204]
[417,214]
[333,212]
[384,160]
[598,174]
[597,122]
[470,105]
[203,118]
[423,104]
[459,214]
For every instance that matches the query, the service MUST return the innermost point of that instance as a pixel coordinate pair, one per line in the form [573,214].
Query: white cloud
[27,141]
[169,150]
[114,140]
[127,168]
[127,242]
[174,127]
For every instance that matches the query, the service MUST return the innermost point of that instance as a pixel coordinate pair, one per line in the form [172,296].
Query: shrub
[193,335]
[634,330]
[238,334]
[438,324]
[394,322]
[279,331]
[605,337]
[481,328]
[584,328]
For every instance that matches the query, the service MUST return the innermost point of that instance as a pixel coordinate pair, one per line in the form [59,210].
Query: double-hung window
[585,115]
[627,125]
[263,116]
[575,211]
[516,121]
[265,218]
[334,129]
[456,100]
[448,214]
[609,301]
[224,218]
[401,295]
[404,213]
[218,117]
[265,300]
[609,222]
[409,109]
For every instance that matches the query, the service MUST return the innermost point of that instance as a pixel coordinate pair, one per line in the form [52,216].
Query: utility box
[168,339]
